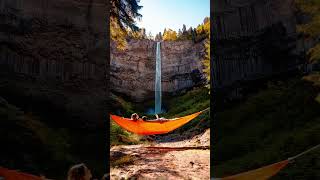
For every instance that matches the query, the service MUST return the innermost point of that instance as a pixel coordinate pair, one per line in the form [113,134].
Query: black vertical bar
[213,59]
[107,79]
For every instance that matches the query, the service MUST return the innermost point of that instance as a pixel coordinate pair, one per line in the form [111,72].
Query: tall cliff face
[133,69]
[56,49]
[255,39]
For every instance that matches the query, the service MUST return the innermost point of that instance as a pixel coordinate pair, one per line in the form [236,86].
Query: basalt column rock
[133,69]
[56,49]
[254,40]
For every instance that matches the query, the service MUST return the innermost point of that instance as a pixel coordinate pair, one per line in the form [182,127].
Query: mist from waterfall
[157,88]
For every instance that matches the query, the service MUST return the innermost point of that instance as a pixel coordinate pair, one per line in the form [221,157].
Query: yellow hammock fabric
[149,128]
[262,173]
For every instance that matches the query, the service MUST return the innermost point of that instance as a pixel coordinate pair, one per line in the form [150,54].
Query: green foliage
[122,19]
[117,34]
[42,137]
[268,127]
[169,35]
[120,136]
[206,61]
[117,134]
[204,29]
[124,107]
[159,37]
[314,53]
[125,12]
[193,101]
[312,27]
[311,8]
[141,34]
[29,144]
[195,34]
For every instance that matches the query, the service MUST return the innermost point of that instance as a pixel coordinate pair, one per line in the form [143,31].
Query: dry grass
[122,161]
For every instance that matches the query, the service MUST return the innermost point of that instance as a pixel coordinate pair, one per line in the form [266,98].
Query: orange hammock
[148,127]
[266,172]
[262,173]
[8,174]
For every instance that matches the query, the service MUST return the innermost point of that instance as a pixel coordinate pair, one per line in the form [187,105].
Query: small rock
[192,163]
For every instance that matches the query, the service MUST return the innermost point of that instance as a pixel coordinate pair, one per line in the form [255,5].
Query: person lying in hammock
[135,117]
[162,119]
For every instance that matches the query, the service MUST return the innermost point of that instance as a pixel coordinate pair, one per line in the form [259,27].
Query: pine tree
[122,18]
[189,33]
[206,19]
[150,36]
[160,36]
[125,12]
[193,37]
[179,33]
[184,29]
[143,33]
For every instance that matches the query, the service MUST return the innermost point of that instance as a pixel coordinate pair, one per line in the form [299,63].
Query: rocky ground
[186,159]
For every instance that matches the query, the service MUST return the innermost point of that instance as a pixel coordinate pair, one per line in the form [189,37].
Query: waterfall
[157,87]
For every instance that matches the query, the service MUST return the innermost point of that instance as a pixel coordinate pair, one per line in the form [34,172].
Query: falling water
[157,88]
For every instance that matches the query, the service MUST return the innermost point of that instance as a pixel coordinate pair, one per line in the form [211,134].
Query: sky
[160,14]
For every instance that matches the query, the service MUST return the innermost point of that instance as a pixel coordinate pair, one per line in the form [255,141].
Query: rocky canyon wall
[133,69]
[56,49]
[255,39]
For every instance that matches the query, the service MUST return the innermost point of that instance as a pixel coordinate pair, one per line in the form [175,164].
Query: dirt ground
[187,159]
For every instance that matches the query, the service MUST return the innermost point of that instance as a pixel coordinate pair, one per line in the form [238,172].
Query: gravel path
[188,159]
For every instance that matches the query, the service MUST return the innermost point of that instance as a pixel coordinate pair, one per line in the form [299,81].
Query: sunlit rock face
[133,69]
[181,61]
[56,49]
